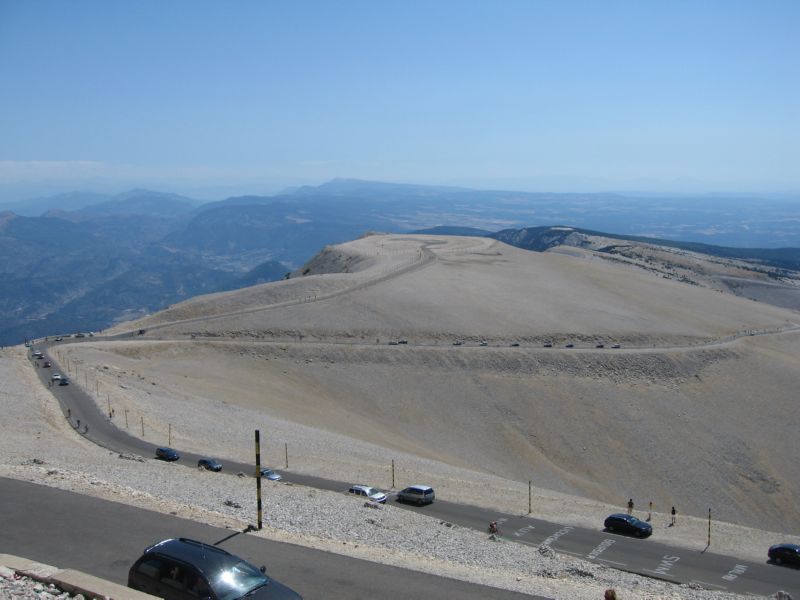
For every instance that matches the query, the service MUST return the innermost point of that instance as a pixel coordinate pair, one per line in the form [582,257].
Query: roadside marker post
[530,500]
[142,425]
[169,435]
[258,476]
[709,526]
[392,473]
[286,453]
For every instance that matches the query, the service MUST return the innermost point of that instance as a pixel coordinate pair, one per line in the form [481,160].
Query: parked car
[180,569]
[63,380]
[210,464]
[622,523]
[46,364]
[56,377]
[457,343]
[402,341]
[548,345]
[80,335]
[616,346]
[600,345]
[37,353]
[569,346]
[270,474]
[784,553]
[59,339]
[417,494]
[515,345]
[167,454]
[368,492]
[484,343]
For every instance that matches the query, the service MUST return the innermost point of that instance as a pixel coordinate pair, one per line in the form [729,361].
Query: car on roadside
[368,491]
[80,335]
[59,339]
[628,524]
[515,344]
[417,494]
[37,354]
[56,377]
[182,569]
[457,343]
[63,380]
[168,454]
[484,343]
[46,364]
[210,464]
[788,554]
[548,345]
[599,345]
[569,345]
[270,474]
[616,346]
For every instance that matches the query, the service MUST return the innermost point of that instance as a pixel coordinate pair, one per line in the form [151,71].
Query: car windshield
[237,580]
[371,491]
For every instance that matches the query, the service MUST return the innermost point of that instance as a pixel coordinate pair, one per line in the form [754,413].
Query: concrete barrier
[72,581]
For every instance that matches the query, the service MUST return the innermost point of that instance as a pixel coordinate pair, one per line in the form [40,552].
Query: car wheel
[777,560]
[638,533]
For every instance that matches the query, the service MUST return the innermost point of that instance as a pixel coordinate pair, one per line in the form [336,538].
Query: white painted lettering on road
[523,531]
[735,572]
[600,549]
[665,565]
[556,535]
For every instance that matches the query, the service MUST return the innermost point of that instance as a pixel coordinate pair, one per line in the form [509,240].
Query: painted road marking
[578,554]
[665,565]
[613,562]
[523,531]
[735,572]
[602,547]
[558,534]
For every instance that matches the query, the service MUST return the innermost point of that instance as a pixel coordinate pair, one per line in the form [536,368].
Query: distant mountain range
[83,261]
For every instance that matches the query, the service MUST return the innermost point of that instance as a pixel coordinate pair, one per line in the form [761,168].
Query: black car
[210,464]
[63,381]
[628,524]
[785,553]
[167,454]
[181,569]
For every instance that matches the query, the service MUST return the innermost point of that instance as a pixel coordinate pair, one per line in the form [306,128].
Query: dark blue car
[621,523]
[167,454]
[785,553]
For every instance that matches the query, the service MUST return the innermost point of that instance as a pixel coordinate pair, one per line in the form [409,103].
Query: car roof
[205,557]
[794,547]
[620,516]
[422,488]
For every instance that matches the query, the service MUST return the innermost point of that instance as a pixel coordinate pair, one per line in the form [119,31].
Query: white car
[56,376]
[369,492]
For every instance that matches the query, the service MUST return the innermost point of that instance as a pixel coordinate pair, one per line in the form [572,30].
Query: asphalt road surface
[104,538]
[646,557]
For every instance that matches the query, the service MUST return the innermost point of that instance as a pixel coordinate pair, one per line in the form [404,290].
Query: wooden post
[258,476]
[142,425]
[529,498]
[169,435]
[392,473]
[126,418]
[709,526]
[286,453]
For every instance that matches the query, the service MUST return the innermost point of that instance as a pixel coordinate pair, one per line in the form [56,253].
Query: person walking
[630,506]
[650,512]
[672,524]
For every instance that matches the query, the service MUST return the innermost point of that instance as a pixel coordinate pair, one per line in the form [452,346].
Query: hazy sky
[533,95]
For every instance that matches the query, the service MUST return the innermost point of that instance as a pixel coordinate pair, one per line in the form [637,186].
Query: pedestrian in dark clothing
[672,524]
[630,506]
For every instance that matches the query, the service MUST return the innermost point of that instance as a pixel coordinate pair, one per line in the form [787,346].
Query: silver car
[369,492]
[417,494]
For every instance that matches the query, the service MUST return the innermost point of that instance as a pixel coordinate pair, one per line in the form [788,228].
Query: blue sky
[217,97]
